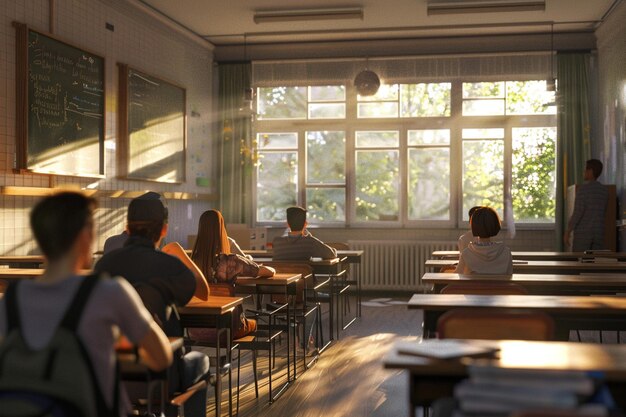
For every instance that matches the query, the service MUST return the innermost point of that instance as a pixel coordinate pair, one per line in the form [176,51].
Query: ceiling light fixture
[267,16]
[483,6]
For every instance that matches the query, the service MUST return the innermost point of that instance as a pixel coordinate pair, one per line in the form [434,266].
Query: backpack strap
[13,314]
[74,311]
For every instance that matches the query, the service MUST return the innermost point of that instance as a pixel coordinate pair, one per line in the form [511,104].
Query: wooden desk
[214,312]
[568,312]
[24,261]
[544,267]
[10,274]
[430,379]
[545,284]
[540,256]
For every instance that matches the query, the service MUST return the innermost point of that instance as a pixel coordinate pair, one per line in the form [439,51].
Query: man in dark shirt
[299,244]
[588,219]
[163,282]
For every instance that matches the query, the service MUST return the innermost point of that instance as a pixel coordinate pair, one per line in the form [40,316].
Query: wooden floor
[348,379]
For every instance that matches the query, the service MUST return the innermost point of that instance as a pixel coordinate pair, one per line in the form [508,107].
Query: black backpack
[57,380]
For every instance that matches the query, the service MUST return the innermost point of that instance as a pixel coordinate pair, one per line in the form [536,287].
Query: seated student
[467,237]
[118,241]
[484,256]
[163,282]
[211,241]
[63,227]
[299,244]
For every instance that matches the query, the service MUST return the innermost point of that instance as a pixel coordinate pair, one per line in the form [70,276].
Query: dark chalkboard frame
[23,115]
[124,128]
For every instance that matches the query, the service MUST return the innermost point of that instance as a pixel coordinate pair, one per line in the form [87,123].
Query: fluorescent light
[266,16]
[483,6]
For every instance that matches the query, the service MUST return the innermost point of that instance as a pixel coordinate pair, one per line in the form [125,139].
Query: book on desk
[496,391]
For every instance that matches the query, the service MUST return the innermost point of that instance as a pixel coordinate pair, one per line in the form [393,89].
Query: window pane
[429,184]
[483,175]
[529,97]
[381,109]
[423,100]
[327,111]
[277,140]
[483,90]
[377,183]
[534,171]
[381,139]
[326,204]
[282,103]
[483,107]
[276,184]
[385,93]
[325,153]
[327,93]
[429,137]
[483,133]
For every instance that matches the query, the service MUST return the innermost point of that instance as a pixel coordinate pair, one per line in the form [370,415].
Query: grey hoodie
[485,258]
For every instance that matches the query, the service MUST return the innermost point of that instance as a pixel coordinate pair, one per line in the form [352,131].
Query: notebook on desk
[446,349]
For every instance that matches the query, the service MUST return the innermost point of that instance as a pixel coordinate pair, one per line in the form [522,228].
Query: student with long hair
[211,241]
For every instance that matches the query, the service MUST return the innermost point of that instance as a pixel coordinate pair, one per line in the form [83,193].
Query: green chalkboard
[155,125]
[65,108]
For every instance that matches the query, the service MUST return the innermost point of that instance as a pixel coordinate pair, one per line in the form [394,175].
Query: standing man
[163,283]
[299,244]
[587,221]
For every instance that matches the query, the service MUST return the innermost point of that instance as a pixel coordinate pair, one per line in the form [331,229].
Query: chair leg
[238,374]
[256,378]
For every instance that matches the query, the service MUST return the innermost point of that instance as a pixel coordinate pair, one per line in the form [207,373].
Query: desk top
[600,280]
[513,354]
[278,279]
[548,266]
[213,306]
[23,259]
[539,256]
[570,304]
[27,273]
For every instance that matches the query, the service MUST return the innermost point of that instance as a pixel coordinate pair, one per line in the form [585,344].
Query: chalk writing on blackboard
[156,117]
[65,108]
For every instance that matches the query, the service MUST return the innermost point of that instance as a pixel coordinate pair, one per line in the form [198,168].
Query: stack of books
[495,392]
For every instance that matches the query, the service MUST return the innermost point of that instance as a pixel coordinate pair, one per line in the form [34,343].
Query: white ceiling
[228,22]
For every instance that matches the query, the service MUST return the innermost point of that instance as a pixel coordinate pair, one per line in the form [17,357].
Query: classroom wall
[610,146]
[142,42]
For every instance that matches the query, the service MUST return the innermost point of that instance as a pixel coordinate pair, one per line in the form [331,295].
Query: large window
[412,154]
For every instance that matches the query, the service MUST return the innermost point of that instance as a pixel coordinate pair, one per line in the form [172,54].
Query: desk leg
[218,377]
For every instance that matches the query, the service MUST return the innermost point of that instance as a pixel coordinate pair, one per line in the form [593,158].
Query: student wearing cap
[118,241]
[163,282]
[299,244]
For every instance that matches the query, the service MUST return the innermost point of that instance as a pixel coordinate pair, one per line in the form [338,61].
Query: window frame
[455,123]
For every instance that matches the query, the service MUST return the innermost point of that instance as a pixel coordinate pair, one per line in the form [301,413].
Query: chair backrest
[498,288]
[490,325]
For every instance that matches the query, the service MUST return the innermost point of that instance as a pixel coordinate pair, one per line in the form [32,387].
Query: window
[416,154]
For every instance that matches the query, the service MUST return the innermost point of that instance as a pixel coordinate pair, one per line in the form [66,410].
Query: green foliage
[533,176]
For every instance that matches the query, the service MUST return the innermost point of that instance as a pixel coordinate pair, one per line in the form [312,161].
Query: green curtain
[235,134]
[574,129]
